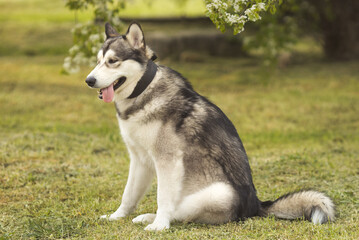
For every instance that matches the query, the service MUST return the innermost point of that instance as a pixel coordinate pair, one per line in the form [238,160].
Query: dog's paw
[144,218]
[158,226]
[112,217]
[104,216]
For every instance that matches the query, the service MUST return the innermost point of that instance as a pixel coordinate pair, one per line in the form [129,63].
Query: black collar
[145,80]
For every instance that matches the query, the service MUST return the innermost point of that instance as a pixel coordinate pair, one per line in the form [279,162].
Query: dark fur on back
[216,133]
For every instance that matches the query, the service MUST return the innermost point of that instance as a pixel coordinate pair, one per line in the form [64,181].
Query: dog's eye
[111,61]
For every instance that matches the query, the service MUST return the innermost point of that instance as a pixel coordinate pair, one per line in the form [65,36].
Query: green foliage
[236,13]
[275,33]
[88,37]
[273,36]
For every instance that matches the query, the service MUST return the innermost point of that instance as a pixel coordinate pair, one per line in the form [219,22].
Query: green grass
[63,163]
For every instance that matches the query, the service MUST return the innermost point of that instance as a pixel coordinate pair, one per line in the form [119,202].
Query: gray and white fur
[171,131]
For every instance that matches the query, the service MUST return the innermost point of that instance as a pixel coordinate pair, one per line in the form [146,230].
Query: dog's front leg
[139,180]
[169,178]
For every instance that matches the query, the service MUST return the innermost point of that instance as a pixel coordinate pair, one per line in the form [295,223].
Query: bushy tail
[313,206]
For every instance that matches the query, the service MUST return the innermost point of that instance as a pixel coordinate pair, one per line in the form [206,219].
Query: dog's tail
[312,205]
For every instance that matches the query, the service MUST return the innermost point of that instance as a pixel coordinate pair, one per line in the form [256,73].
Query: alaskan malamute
[202,170]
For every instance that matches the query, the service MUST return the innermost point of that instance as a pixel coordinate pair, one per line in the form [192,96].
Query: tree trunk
[339,22]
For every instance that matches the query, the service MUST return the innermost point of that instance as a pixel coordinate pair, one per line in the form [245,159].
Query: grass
[63,163]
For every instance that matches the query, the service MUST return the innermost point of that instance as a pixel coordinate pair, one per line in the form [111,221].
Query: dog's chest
[136,133]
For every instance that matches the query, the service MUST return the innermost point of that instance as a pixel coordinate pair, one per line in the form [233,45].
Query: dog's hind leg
[138,182]
[211,205]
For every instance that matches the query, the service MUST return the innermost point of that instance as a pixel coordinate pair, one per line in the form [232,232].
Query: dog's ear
[110,31]
[135,36]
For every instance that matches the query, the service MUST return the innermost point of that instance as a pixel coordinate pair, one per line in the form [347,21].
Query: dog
[171,131]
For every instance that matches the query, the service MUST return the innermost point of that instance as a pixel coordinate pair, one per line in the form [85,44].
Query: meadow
[63,163]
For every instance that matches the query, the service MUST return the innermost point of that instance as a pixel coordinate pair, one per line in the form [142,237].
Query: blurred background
[325,29]
[289,83]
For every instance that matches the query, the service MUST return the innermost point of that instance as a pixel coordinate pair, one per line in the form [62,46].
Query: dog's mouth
[107,93]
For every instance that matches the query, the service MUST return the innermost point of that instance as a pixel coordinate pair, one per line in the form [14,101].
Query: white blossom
[261,6]
[94,37]
[74,49]
[236,13]
[70,66]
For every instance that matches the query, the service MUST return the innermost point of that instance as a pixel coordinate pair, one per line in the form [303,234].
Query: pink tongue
[107,93]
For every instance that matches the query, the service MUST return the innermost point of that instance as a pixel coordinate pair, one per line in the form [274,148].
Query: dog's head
[120,63]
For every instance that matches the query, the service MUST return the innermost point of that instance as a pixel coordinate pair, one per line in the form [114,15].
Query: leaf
[273,9]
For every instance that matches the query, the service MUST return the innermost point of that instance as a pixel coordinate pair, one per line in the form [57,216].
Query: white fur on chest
[137,134]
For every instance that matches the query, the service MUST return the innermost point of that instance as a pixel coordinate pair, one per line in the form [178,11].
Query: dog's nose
[91,81]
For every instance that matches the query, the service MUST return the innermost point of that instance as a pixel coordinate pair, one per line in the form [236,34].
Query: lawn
[63,163]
